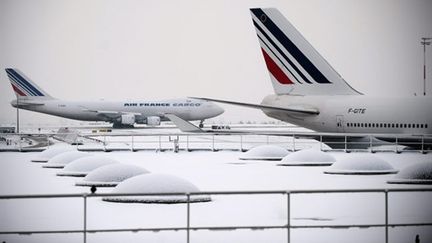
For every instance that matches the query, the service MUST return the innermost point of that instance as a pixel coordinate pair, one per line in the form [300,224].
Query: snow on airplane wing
[300,110]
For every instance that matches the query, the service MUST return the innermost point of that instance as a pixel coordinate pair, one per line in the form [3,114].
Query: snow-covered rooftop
[54,150]
[61,160]
[111,175]
[82,166]
[156,183]
[362,164]
[418,173]
[308,157]
[265,152]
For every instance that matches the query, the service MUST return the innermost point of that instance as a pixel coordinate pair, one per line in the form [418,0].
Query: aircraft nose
[217,110]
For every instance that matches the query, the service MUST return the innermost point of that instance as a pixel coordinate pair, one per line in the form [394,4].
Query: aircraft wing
[28,103]
[111,114]
[304,111]
[183,125]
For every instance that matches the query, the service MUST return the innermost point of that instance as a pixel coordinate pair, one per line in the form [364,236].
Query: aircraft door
[340,123]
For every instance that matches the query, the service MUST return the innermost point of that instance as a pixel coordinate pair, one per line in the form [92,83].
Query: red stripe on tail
[18,91]
[275,69]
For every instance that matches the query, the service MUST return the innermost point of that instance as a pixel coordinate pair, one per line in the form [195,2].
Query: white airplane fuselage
[356,113]
[187,109]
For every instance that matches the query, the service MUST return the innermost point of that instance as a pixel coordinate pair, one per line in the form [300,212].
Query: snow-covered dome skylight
[61,160]
[54,150]
[111,175]
[362,164]
[308,157]
[82,166]
[156,183]
[265,152]
[418,173]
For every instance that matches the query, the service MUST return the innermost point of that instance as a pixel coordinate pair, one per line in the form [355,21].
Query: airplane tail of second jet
[295,67]
[24,88]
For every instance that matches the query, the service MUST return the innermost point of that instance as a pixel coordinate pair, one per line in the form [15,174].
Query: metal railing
[188,228]
[232,141]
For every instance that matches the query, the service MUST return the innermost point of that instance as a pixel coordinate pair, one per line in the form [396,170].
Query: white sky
[133,49]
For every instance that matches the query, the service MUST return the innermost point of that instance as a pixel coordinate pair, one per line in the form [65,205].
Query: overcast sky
[134,49]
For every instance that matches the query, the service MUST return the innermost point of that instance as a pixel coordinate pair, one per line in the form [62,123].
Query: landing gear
[201,125]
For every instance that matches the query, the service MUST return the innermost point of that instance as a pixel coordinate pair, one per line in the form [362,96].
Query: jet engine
[153,121]
[127,119]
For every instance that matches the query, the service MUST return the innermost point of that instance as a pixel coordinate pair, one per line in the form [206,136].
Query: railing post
[320,143]
[85,218]
[288,216]
[345,143]
[422,145]
[104,143]
[19,143]
[188,218]
[386,215]
[293,143]
[396,145]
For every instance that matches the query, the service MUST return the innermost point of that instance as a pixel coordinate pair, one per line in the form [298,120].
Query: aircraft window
[405,125]
[381,125]
[393,125]
[361,124]
[385,125]
[409,125]
[417,126]
[425,125]
[421,125]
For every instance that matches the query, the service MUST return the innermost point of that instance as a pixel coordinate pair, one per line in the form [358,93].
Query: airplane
[308,92]
[123,114]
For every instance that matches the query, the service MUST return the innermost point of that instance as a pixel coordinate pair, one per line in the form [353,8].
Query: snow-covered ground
[215,171]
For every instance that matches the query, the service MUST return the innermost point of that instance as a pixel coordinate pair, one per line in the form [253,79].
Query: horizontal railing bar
[324,191]
[228,133]
[221,228]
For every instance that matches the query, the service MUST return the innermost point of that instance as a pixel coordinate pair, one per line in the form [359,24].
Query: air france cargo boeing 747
[311,94]
[121,114]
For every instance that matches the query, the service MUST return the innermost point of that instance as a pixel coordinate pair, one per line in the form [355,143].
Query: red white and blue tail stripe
[295,67]
[23,86]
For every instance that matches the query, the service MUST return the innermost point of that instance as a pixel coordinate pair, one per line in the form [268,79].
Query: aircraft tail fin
[295,67]
[25,88]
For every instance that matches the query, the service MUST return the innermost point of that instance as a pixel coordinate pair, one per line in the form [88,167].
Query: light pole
[425,42]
